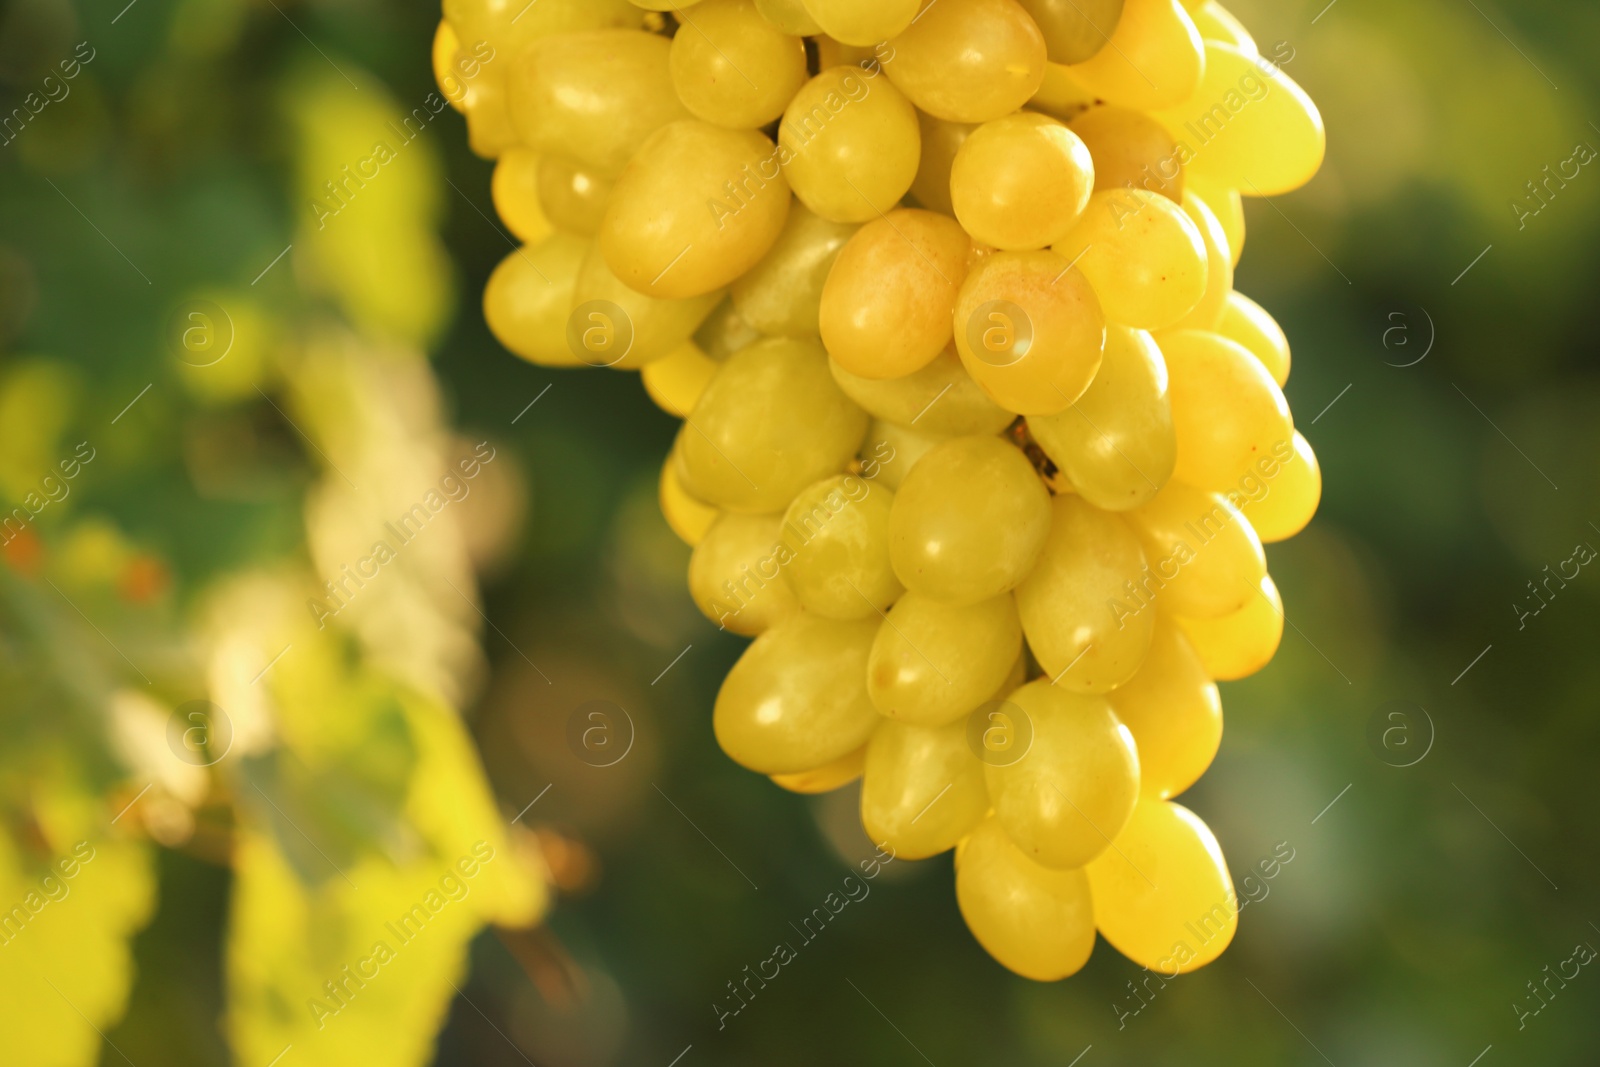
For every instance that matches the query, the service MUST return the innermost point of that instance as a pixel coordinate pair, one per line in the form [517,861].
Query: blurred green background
[1444,370]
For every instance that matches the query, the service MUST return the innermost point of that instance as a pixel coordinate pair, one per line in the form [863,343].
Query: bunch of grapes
[978,442]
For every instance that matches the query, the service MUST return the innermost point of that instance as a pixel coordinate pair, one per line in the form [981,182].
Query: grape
[901,445]
[676,380]
[1143,255]
[832,53]
[923,789]
[940,142]
[886,306]
[1219,267]
[770,423]
[509,25]
[1239,644]
[593,97]
[849,144]
[782,295]
[1293,490]
[445,74]
[1216,24]
[616,326]
[1163,897]
[489,119]
[1226,409]
[939,399]
[1245,322]
[1172,708]
[1029,330]
[574,198]
[797,698]
[828,777]
[1130,150]
[968,60]
[862,24]
[1116,443]
[724,332]
[1227,205]
[932,663]
[1205,560]
[1155,58]
[1059,96]
[735,574]
[1035,921]
[1074,30]
[529,296]
[514,189]
[790,16]
[688,517]
[1071,792]
[838,529]
[1073,606]
[969,521]
[732,67]
[1021,181]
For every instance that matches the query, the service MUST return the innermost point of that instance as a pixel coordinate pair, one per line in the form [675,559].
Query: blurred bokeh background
[1422,747]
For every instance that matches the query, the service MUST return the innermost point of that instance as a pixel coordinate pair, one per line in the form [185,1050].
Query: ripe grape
[1143,255]
[1173,709]
[732,67]
[838,532]
[932,662]
[1021,181]
[849,144]
[922,789]
[782,295]
[735,574]
[968,60]
[1038,922]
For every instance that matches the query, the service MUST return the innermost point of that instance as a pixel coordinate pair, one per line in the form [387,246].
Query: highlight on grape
[1009,260]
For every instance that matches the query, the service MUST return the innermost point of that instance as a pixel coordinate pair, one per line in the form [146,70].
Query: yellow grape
[1227,205]
[1219,266]
[514,188]
[1059,95]
[1247,323]
[797,699]
[614,325]
[732,67]
[593,97]
[510,24]
[1130,150]
[782,294]
[1154,59]
[663,5]
[1174,712]
[941,141]
[1029,330]
[969,521]
[1074,30]
[849,144]
[1020,181]
[696,207]
[1071,791]
[1205,560]
[940,399]
[688,517]
[887,302]
[529,298]
[1116,443]
[1226,409]
[899,446]
[790,16]
[574,198]
[1215,23]
[1066,604]
[832,53]
[1237,645]
[735,574]
[490,128]
[922,790]
[1293,491]
[1035,921]
[933,663]
[445,75]
[770,423]
[862,24]
[968,60]
[1143,255]
[725,332]
[1248,126]
[838,530]
[828,777]
[676,380]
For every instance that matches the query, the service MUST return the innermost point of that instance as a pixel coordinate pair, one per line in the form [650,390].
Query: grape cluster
[978,442]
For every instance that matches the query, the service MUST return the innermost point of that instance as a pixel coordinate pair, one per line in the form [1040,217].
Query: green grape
[593,97]
[849,144]
[1154,58]
[886,306]
[1074,30]
[790,16]
[969,521]
[894,450]
[1247,323]
[863,25]
[1130,151]
[782,294]
[675,381]
[1071,791]
[1219,267]
[770,423]
[1035,921]
[1020,181]
[1237,645]
[1116,443]
[838,531]
[969,60]
[620,327]
[688,517]
[1072,605]
[939,399]
[1174,712]
[1293,490]
[796,699]
[941,141]
[724,332]
[922,790]
[529,297]
[1143,255]
[1227,411]
[732,67]
[515,191]
[697,207]
[735,574]
[574,197]
[1163,897]
[932,663]
[1205,560]
[1029,330]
